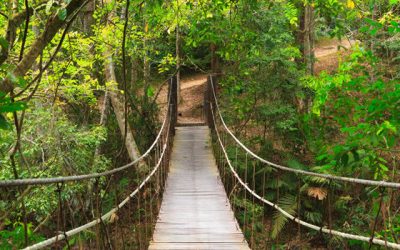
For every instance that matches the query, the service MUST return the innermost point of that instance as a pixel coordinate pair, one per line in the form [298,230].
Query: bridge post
[209,99]
[173,89]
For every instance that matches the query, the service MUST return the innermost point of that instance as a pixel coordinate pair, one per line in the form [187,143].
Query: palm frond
[314,217]
[289,204]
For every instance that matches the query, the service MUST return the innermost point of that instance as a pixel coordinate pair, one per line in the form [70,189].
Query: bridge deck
[195,212]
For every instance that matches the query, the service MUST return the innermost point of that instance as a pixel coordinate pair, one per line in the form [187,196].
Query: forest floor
[328,51]
[190,109]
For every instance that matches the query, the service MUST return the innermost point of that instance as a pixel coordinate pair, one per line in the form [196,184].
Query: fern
[294,163]
[287,203]
[314,217]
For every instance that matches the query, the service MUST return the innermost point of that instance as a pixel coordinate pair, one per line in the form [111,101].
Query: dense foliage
[68,66]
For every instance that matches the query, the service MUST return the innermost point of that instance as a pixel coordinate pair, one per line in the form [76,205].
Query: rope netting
[149,172]
[241,179]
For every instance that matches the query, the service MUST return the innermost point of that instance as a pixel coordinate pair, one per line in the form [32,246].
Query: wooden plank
[195,212]
[199,246]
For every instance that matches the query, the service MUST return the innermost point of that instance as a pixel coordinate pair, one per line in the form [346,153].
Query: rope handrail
[107,215]
[50,180]
[293,218]
[299,171]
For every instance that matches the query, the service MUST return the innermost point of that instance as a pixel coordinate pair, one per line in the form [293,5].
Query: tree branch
[4,15]
[53,25]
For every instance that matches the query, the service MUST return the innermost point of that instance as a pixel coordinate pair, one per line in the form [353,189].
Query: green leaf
[345,159]
[373,32]
[287,203]
[3,43]
[20,81]
[11,107]
[62,14]
[48,6]
[373,23]
[150,91]
[4,124]
[395,24]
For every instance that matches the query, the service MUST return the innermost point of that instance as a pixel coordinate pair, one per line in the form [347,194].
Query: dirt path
[328,52]
[190,109]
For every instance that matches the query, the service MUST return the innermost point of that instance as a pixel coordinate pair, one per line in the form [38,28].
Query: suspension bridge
[183,197]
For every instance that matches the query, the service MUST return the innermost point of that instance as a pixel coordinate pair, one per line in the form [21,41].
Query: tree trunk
[134,77]
[119,111]
[146,64]
[88,19]
[54,23]
[214,58]
[11,33]
[178,54]
[309,38]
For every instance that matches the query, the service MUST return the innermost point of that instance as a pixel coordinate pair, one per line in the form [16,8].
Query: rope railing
[107,215]
[234,183]
[147,193]
[63,179]
[296,171]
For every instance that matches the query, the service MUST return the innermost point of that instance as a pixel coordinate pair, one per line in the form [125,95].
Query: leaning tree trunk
[118,104]
[119,110]
[53,25]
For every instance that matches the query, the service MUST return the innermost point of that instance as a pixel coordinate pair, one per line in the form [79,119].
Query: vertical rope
[146,217]
[263,204]
[139,224]
[253,206]
[277,199]
[26,238]
[330,207]
[382,190]
[108,241]
[130,217]
[245,195]
[234,180]
[223,165]
[151,187]
[118,225]
[160,175]
[71,217]
[97,212]
[298,207]
[58,214]
[62,213]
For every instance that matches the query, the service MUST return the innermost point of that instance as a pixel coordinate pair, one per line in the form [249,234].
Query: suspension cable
[291,217]
[299,171]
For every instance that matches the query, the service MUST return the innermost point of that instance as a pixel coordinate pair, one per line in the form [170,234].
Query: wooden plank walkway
[195,212]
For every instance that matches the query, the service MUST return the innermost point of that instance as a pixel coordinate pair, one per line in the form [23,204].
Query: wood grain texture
[195,212]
